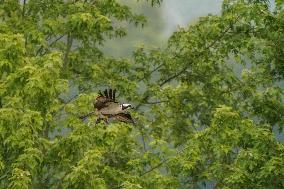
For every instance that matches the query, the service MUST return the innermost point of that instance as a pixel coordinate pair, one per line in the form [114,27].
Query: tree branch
[158,102]
[172,77]
[24,9]
[179,152]
[151,72]
[184,69]
[46,129]
[68,49]
[143,139]
[57,39]
[142,101]
[155,167]
[87,115]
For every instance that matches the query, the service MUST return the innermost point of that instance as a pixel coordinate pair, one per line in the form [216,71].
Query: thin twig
[68,49]
[172,77]
[57,39]
[67,102]
[151,72]
[24,9]
[143,139]
[158,102]
[87,115]
[142,101]
[155,167]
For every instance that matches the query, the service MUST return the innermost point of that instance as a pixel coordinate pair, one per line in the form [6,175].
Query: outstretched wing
[124,117]
[103,100]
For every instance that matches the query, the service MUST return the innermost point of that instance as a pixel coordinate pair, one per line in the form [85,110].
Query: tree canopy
[209,105]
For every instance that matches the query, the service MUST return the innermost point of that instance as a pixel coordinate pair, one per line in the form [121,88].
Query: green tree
[209,106]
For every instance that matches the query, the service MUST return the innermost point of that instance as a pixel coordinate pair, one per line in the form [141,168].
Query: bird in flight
[108,108]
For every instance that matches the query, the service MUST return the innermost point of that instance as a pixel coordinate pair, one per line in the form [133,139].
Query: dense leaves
[209,106]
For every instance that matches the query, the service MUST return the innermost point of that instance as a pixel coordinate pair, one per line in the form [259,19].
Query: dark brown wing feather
[113,95]
[102,100]
[110,93]
[106,93]
[124,117]
[100,93]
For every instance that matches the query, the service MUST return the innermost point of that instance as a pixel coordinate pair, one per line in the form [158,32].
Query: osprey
[107,107]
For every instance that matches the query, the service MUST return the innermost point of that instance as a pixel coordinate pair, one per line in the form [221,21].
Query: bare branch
[68,49]
[158,102]
[57,39]
[155,69]
[143,140]
[53,42]
[155,167]
[172,77]
[24,9]
[87,115]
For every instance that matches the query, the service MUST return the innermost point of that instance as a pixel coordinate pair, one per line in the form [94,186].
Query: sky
[162,22]
[182,12]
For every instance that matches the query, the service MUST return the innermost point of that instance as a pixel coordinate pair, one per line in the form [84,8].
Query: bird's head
[126,106]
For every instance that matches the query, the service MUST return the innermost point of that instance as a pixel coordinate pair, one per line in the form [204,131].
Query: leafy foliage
[209,106]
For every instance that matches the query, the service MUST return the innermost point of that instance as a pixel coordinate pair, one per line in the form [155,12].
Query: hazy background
[182,12]
[162,22]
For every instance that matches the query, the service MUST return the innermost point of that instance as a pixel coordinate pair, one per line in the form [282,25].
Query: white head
[125,106]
